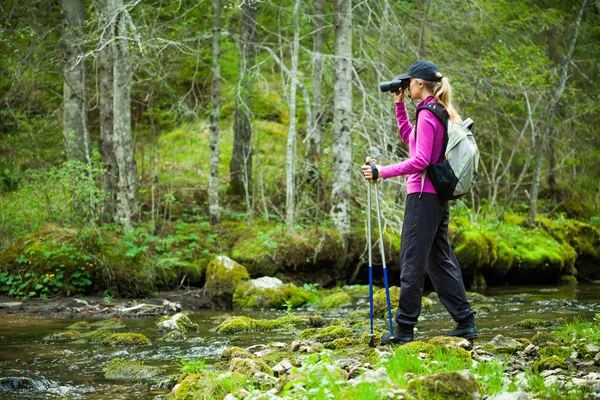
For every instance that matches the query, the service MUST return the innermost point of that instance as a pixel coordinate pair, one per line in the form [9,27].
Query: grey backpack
[456,174]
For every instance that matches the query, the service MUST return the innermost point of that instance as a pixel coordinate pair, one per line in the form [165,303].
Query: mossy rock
[255,294]
[132,371]
[174,337]
[127,339]
[504,345]
[177,322]
[243,324]
[239,325]
[533,323]
[417,347]
[446,386]
[450,342]
[113,323]
[234,352]
[98,336]
[474,248]
[380,301]
[342,343]
[63,336]
[249,367]
[484,307]
[480,298]
[541,338]
[223,275]
[208,385]
[551,362]
[80,326]
[365,338]
[335,300]
[323,335]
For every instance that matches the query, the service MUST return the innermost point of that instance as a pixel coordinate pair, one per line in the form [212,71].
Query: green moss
[109,324]
[417,347]
[129,370]
[334,300]
[223,275]
[238,325]
[174,337]
[532,323]
[234,352]
[323,335]
[247,296]
[98,336]
[475,248]
[65,335]
[179,321]
[80,326]
[551,362]
[365,338]
[485,307]
[380,302]
[342,343]
[127,339]
[246,366]
[209,385]
[266,249]
[243,324]
[542,338]
[445,385]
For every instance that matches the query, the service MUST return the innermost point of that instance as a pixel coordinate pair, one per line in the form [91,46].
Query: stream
[74,371]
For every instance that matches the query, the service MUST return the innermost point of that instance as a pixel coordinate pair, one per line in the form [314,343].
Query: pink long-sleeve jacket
[427,149]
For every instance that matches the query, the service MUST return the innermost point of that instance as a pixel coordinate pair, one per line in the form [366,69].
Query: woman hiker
[425,241]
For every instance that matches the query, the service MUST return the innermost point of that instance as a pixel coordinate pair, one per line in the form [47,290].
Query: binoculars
[394,85]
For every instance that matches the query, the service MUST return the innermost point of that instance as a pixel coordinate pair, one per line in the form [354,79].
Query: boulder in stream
[177,322]
[223,275]
[132,371]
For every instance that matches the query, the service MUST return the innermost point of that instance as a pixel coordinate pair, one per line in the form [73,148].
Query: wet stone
[279,345]
[255,348]
[263,353]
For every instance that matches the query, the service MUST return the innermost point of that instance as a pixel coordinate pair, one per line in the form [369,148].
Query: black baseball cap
[422,69]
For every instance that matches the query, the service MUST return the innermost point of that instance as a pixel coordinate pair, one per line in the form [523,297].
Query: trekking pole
[369,242]
[385,277]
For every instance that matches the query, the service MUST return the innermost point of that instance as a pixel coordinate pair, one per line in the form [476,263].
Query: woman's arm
[424,146]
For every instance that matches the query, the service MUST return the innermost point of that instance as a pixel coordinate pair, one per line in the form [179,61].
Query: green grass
[580,329]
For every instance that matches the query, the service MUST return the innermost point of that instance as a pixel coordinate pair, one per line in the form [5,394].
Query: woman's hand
[399,97]
[367,172]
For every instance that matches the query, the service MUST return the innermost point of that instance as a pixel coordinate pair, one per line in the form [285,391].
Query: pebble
[263,353]
[520,395]
[279,345]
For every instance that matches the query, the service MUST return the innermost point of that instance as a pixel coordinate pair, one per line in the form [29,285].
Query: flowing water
[74,371]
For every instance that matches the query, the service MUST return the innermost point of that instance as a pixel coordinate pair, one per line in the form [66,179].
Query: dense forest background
[144,137]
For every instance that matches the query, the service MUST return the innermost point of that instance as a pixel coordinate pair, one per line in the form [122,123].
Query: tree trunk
[75,131]
[123,142]
[109,179]
[213,182]
[342,108]
[552,169]
[291,140]
[240,167]
[317,77]
[548,133]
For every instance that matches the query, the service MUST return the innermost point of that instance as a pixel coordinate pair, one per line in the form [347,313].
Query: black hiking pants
[425,244]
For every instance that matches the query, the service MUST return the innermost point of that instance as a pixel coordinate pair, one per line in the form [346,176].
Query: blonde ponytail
[442,92]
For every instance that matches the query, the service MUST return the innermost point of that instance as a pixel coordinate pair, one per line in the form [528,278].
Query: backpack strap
[442,115]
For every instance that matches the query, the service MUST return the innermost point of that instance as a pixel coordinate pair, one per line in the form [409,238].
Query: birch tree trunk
[342,108]
[75,131]
[548,132]
[109,180]
[213,182]
[240,167]
[317,77]
[291,140]
[123,142]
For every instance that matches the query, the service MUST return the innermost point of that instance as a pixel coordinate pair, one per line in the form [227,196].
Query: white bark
[342,144]
[317,77]
[123,142]
[75,131]
[291,140]
[213,182]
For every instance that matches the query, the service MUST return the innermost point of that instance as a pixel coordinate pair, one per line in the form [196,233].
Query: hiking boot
[465,329]
[402,334]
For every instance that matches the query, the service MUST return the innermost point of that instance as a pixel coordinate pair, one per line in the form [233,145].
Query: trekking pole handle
[374,171]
